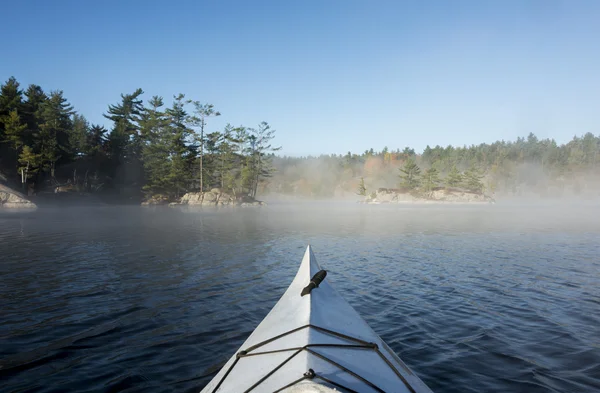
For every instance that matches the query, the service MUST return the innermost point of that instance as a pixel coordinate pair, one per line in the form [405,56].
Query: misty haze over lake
[473,298]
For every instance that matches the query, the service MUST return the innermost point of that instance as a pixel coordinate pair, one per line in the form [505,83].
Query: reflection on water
[472,298]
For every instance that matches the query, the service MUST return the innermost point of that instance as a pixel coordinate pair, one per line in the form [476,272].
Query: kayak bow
[314,341]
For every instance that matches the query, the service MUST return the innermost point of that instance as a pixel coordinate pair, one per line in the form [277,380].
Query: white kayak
[314,341]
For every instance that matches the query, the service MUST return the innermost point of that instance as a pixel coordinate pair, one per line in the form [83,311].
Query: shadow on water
[131,299]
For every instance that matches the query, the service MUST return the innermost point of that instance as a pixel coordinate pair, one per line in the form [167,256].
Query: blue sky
[329,76]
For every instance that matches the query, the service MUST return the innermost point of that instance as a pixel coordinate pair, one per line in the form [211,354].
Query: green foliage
[29,163]
[261,152]
[472,180]
[454,178]
[148,147]
[198,120]
[410,175]
[11,96]
[172,150]
[53,138]
[78,135]
[431,179]
[13,130]
[362,190]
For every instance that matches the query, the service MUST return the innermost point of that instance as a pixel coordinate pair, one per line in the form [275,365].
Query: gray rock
[217,198]
[441,195]
[11,199]
[210,197]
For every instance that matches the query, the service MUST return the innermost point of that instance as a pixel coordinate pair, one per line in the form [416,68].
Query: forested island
[151,152]
[161,154]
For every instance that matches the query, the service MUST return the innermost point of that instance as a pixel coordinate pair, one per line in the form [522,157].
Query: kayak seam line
[363,344]
[273,371]
[347,370]
[387,361]
[335,383]
[306,346]
[226,374]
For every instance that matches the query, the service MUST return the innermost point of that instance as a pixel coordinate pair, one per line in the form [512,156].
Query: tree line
[529,164]
[160,151]
[164,151]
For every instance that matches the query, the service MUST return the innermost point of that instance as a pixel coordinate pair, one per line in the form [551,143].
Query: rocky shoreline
[438,196]
[11,199]
[213,198]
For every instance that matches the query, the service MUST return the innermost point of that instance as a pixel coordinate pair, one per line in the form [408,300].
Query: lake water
[487,298]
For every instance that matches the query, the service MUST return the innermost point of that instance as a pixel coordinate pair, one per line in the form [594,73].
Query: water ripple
[127,299]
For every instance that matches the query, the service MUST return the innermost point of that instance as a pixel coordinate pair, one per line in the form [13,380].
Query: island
[155,151]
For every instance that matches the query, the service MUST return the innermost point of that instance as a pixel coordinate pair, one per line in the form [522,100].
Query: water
[474,299]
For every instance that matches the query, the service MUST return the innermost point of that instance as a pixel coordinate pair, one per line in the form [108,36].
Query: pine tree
[29,164]
[201,113]
[228,158]
[431,179]
[31,113]
[410,175]
[454,178]
[14,134]
[125,139]
[13,130]
[261,154]
[53,139]
[78,135]
[472,180]
[156,148]
[95,140]
[11,97]
[242,176]
[362,190]
[182,153]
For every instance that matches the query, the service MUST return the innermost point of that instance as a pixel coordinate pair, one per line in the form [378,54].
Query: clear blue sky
[329,76]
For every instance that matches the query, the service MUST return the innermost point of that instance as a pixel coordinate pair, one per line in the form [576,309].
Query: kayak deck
[317,338]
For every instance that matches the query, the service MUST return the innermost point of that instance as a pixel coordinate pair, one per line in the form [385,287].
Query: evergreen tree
[156,148]
[362,190]
[181,152]
[431,179]
[14,130]
[14,134]
[212,158]
[31,113]
[95,140]
[242,178]
[201,113]
[261,155]
[454,178]
[410,175]
[472,180]
[11,97]
[125,140]
[228,158]
[53,139]
[78,135]
[29,164]
[35,97]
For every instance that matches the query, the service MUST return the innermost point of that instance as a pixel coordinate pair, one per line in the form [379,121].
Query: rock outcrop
[156,200]
[11,199]
[216,197]
[439,195]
